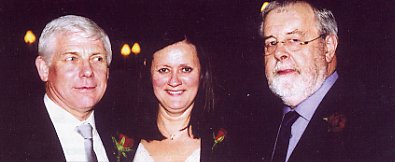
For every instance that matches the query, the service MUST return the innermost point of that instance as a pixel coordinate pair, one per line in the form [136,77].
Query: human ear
[42,68]
[108,73]
[330,47]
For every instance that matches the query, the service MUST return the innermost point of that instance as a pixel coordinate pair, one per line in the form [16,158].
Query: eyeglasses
[290,44]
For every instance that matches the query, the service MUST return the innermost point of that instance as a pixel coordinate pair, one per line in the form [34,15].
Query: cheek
[62,74]
[192,81]
[102,74]
[270,63]
[159,81]
[308,59]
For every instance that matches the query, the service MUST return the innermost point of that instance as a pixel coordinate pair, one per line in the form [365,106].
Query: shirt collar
[307,107]
[60,115]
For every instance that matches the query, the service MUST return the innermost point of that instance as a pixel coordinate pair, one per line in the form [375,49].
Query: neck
[171,124]
[81,116]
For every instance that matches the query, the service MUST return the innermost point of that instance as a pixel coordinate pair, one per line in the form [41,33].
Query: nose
[174,80]
[281,53]
[86,70]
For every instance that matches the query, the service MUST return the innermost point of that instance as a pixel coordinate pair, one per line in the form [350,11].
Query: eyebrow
[161,66]
[70,53]
[76,53]
[169,66]
[267,37]
[99,53]
[296,31]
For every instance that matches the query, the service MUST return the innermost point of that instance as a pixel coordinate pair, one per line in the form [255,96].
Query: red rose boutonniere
[337,122]
[219,137]
[122,145]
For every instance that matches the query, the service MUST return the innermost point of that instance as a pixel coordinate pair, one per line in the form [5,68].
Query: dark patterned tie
[86,131]
[283,136]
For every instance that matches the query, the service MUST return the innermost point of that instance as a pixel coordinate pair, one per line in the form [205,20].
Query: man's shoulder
[347,94]
[34,133]
[341,120]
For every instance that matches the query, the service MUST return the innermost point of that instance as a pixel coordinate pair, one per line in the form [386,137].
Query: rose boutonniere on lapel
[123,145]
[219,137]
[336,122]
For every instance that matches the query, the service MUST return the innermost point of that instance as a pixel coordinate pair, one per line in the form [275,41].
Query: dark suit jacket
[317,143]
[36,137]
[220,152]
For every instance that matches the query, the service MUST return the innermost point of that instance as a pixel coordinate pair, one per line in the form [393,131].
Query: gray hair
[73,24]
[327,23]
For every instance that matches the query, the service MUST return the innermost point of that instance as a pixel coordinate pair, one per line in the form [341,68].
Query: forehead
[298,17]
[178,53]
[78,42]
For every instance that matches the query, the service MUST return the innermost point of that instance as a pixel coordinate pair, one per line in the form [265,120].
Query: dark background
[365,52]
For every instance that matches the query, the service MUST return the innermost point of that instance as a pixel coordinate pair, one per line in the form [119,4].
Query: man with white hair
[74,58]
[300,42]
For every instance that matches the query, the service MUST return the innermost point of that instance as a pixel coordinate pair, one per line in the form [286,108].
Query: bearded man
[300,42]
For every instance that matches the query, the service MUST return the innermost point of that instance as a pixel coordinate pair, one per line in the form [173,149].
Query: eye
[163,70]
[186,69]
[71,58]
[271,43]
[98,59]
[294,41]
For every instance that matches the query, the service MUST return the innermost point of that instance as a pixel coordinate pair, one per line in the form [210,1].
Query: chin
[86,103]
[177,108]
[293,90]
[286,90]
[85,106]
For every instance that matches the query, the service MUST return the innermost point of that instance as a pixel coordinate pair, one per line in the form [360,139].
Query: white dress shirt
[72,142]
[306,110]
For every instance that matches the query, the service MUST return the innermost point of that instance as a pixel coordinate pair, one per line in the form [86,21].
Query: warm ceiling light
[125,50]
[29,37]
[136,48]
[264,5]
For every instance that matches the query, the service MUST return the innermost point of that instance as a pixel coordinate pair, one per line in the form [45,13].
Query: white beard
[293,90]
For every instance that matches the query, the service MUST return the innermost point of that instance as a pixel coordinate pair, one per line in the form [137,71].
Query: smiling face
[76,77]
[294,74]
[175,73]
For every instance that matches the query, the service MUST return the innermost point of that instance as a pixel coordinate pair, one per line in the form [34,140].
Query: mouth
[285,71]
[85,88]
[175,92]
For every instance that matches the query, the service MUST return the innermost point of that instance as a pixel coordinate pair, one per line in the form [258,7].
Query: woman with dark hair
[177,104]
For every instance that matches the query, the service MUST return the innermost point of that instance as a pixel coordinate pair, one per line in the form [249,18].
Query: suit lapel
[107,143]
[107,129]
[316,142]
[132,153]
[43,142]
[206,143]
[313,139]
[104,128]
